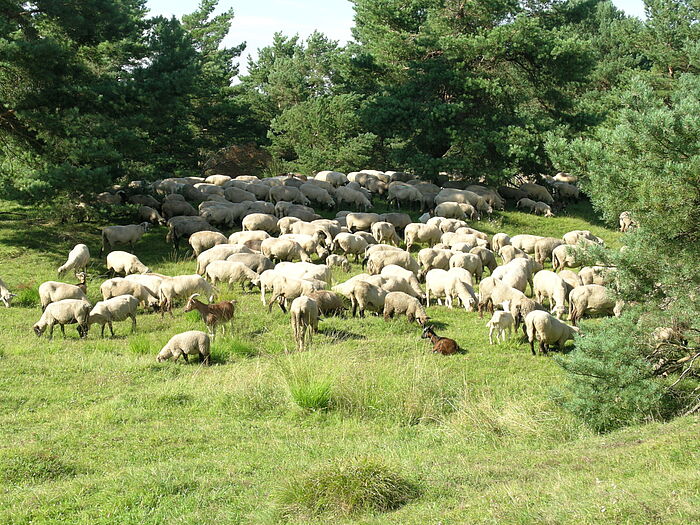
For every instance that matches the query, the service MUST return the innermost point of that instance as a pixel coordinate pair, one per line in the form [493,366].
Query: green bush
[348,487]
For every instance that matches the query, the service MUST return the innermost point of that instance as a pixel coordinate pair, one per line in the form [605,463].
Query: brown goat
[213,314]
[442,345]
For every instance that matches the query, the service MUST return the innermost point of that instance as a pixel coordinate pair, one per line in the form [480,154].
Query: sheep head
[7,299]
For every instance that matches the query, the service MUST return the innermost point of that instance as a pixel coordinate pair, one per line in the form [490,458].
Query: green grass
[95,431]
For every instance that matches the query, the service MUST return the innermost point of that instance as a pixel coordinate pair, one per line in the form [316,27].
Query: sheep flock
[279,244]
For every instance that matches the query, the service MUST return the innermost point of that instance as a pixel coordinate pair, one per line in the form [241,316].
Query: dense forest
[95,93]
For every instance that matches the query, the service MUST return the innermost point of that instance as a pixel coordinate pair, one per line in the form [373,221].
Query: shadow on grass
[340,335]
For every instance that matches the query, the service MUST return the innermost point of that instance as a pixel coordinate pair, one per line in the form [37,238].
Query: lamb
[220,252]
[151,215]
[260,221]
[63,312]
[78,259]
[550,285]
[548,330]
[283,250]
[112,310]
[417,232]
[192,342]
[181,286]
[213,314]
[385,232]
[525,242]
[397,303]
[339,261]
[582,236]
[5,295]
[230,272]
[129,234]
[53,291]
[488,258]
[499,323]
[204,240]
[590,298]
[544,248]
[126,263]
[304,319]
[378,260]
[441,345]
[118,286]
[360,221]
[469,261]
[543,209]
[329,303]
[499,240]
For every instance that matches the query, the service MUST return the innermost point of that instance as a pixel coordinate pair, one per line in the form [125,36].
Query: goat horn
[192,297]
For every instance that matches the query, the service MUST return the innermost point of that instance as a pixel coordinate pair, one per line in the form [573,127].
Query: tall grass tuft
[27,297]
[349,487]
[309,389]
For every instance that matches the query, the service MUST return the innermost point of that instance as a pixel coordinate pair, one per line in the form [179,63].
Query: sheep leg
[133,323]
[491,335]
[532,346]
[543,348]
[184,356]
[111,330]
[63,330]
[103,331]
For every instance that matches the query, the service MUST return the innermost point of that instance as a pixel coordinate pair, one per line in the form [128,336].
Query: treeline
[94,92]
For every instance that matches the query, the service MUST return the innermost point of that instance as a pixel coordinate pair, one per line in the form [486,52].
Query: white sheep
[360,221]
[201,241]
[526,205]
[230,272]
[78,260]
[350,244]
[304,318]
[567,256]
[151,215]
[548,330]
[384,231]
[591,298]
[129,234]
[125,263]
[118,286]
[220,252]
[500,323]
[339,261]
[260,221]
[150,281]
[365,296]
[424,233]
[283,250]
[192,342]
[5,295]
[379,259]
[63,312]
[543,209]
[305,270]
[245,236]
[180,286]
[596,274]
[499,240]
[509,252]
[346,195]
[400,303]
[405,278]
[113,310]
[469,261]
[525,242]
[53,291]
[549,285]
[286,289]
[582,236]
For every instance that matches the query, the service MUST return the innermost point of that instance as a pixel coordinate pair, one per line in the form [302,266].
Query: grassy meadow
[368,426]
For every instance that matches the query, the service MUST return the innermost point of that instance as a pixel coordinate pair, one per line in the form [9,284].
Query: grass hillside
[367,426]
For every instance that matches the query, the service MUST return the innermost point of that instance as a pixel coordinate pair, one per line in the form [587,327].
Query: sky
[255,21]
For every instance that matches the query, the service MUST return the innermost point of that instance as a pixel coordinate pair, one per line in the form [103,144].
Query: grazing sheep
[398,220]
[63,312]
[566,191]
[488,258]
[499,240]
[339,261]
[450,210]
[118,286]
[398,303]
[220,252]
[544,248]
[255,261]
[500,323]
[567,256]
[601,275]
[404,280]
[549,285]
[350,244]
[525,242]
[304,319]
[440,283]
[151,215]
[571,279]
[508,253]
[543,209]
[192,342]
[492,291]
[283,250]
[286,289]
[53,291]
[305,270]
[379,259]
[332,177]
[287,194]
[182,286]
[213,314]
[230,272]
[424,233]
[5,295]
[450,225]
[590,298]
[548,330]
[113,310]
[151,281]
[125,263]
[430,258]
[365,296]
[183,227]
[582,236]
[537,192]
[245,236]
[526,204]
[469,261]
[309,243]
[203,240]
[129,234]
[441,345]
[329,303]
[360,221]
[346,195]
[78,259]
[317,194]
[384,232]
[260,221]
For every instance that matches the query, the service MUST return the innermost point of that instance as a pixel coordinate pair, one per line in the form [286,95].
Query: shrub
[348,487]
[27,297]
